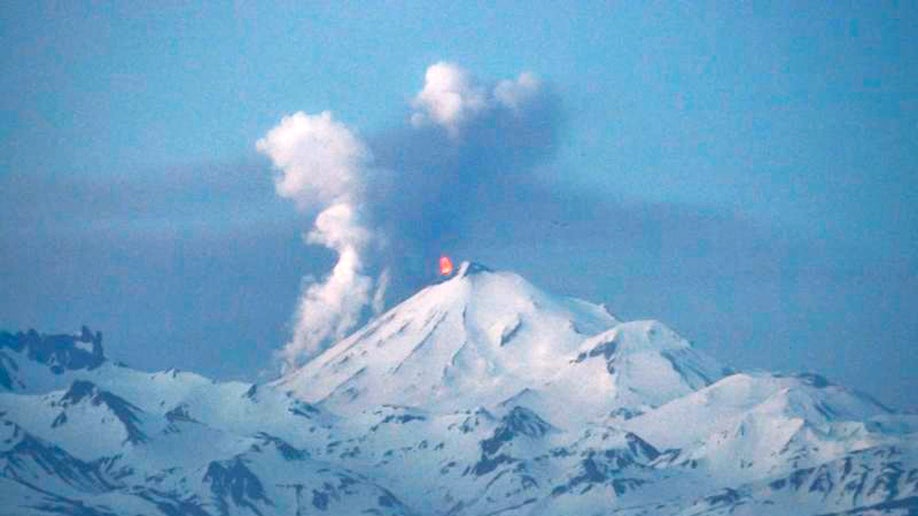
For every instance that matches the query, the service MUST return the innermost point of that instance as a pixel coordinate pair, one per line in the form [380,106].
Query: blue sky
[746,174]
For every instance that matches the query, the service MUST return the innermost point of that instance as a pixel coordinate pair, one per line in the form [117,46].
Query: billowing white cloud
[515,94]
[337,227]
[321,165]
[451,99]
[327,310]
[319,160]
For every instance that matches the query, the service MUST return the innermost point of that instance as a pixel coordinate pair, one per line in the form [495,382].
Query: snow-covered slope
[620,373]
[113,440]
[475,339]
[479,395]
[751,426]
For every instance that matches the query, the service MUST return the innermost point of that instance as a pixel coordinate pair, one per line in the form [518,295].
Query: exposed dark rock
[180,413]
[20,460]
[60,353]
[233,479]
[126,412]
[283,447]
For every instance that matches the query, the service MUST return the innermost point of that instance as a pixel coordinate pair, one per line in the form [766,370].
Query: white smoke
[327,310]
[379,297]
[322,165]
[515,94]
[318,159]
[451,99]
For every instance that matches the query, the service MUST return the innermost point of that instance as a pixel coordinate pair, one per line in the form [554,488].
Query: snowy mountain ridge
[480,394]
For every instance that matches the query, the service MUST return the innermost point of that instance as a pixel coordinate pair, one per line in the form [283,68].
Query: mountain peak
[647,363]
[483,333]
[59,353]
[468,268]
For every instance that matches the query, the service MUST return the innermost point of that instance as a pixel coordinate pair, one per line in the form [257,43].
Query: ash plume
[388,205]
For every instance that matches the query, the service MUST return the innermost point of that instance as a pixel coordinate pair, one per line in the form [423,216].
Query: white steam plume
[318,159]
[515,94]
[321,165]
[451,99]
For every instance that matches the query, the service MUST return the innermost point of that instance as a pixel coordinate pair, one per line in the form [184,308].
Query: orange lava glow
[446,266]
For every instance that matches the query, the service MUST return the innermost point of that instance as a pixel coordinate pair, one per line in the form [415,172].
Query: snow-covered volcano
[479,395]
[486,337]
[472,340]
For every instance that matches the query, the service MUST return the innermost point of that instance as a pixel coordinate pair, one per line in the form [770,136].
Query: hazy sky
[746,174]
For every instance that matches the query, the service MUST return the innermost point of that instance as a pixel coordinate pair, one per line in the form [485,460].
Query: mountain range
[479,395]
